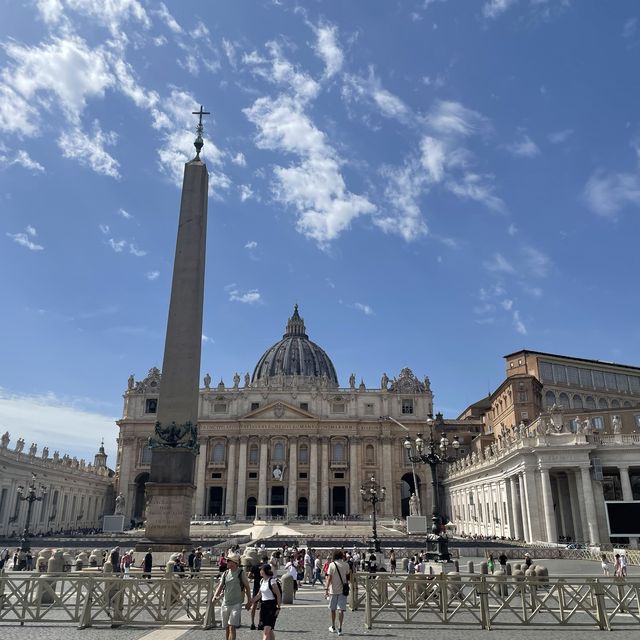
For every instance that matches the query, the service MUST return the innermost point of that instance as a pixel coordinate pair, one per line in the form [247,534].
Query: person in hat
[234,589]
[527,559]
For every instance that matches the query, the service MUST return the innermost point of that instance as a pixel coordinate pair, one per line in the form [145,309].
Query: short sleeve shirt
[335,584]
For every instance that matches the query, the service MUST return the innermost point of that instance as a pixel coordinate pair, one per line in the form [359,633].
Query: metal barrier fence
[497,601]
[88,600]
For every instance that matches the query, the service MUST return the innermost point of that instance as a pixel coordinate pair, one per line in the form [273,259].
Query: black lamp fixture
[372,492]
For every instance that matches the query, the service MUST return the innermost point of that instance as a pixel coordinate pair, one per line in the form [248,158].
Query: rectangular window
[338,475]
[338,407]
[304,406]
[368,409]
[572,375]
[151,405]
[597,423]
[546,371]
[634,383]
[560,373]
[407,406]
[622,383]
[3,501]
[253,475]
[637,421]
[220,407]
[522,396]
[524,415]
[585,378]
[302,475]
[598,380]
[610,381]
[255,405]
[146,455]
[216,476]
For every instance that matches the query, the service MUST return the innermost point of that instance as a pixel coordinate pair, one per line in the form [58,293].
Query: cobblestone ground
[308,619]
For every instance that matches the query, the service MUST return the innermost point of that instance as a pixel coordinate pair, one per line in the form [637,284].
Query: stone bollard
[287,588]
[484,568]
[508,569]
[404,563]
[47,586]
[454,582]
[470,566]
[501,583]
[172,585]
[542,573]
[456,566]
[42,561]
[68,561]
[113,596]
[517,566]
[95,557]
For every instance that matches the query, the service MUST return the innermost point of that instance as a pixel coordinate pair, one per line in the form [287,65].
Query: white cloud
[24,239]
[499,264]
[315,187]
[494,8]
[239,159]
[536,263]
[135,251]
[246,193]
[558,137]
[365,308]
[207,339]
[168,19]
[17,115]
[125,214]
[608,193]
[89,150]
[518,324]
[51,11]
[507,304]
[433,158]
[152,275]
[370,89]
[512,229]
[200,30]
[453,119]
[328,50]
[48,420]
[104,228]
[108,13]
[248,297]
[25,160]
[252,244]
[525,147]
[230,51]
[117,245]
[476,187]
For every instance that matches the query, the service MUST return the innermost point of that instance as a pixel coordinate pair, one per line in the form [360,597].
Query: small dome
[295,355]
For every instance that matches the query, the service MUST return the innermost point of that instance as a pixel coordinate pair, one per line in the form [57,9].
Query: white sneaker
[332,629]
[339,632]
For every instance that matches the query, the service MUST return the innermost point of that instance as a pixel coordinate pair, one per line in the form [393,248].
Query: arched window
[278,452]
[563,400]
[338,452]
[218,452]
[602,403]
[626,404]
[253,454]
[577,402]
[549,399]
[589,403]
[370,454]
[615,404]
[303,454]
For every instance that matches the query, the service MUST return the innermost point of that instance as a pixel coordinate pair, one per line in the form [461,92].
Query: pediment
[279,410]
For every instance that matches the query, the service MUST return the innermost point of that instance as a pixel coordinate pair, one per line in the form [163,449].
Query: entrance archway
[277,497]
[303,507]
[338,501]
[139,501]
[407,487]
[216,501]
[251,507]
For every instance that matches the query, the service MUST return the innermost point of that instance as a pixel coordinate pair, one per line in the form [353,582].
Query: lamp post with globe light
[372,492]
[29,494]
[433,453]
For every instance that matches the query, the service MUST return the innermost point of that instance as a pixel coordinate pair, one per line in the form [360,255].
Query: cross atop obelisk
[199,142]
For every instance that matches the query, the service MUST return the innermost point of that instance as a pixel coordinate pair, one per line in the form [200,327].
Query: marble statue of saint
[207,381]
[236,380]
[384,382]
[247,379]
[4,441]
[587,427]
[578,424]
[352,381]
[119,505]
[33,449]
[19,445]
[522,430]
[56,456]
[45,453]
[413,505]
[131,382]
[427,383]
[617,424]
[277,473]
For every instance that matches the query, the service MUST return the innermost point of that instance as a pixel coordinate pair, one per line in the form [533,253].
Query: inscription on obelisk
[174,445]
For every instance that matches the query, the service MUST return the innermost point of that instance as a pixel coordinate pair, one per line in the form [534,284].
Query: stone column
[547,501]
[232,481]
[561,494]
[577,508]
[516,509]
[627,494]
[387,476]
[292,498]
[313,476]
[324,476]
[533,512]
[241,498]
[524,503]
[199,507]
[355,505]
[505,515]
[590,504]
[262,473]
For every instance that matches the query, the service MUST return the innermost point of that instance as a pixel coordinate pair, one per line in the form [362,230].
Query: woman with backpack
[270,596]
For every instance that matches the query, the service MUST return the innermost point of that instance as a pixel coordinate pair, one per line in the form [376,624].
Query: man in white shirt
[337,577]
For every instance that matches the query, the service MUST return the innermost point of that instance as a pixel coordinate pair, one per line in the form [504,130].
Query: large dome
[295,355]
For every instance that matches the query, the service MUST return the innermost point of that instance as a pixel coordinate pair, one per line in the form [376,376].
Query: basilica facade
[288,440]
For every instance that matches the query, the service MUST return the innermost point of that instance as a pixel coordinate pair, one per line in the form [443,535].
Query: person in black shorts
[255,578]
[270,598]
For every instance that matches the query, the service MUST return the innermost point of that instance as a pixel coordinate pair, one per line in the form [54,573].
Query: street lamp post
[372,492]
[28,494]
[432,453]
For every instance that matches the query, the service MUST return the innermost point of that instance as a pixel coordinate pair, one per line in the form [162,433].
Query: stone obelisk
[170,489]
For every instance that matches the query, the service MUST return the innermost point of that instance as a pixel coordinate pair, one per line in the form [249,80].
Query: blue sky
[436,183]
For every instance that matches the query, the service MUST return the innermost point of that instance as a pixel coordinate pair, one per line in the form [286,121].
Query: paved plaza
[308,618]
